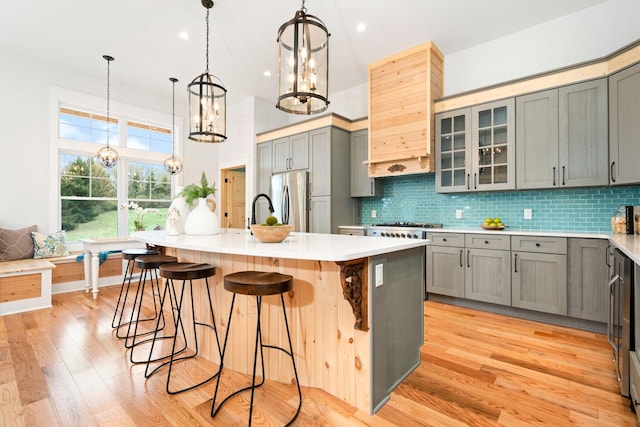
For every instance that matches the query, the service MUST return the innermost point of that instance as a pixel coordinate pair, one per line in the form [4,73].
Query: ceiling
[142,35]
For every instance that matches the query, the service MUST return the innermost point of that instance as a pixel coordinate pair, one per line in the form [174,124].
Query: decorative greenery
[193,192]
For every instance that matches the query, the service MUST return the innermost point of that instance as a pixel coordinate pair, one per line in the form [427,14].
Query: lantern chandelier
[303,73]
[173,165]
[207,102]
[107,157]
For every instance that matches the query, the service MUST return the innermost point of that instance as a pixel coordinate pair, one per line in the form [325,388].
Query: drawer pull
[537,245]
[486,242]
[444,239]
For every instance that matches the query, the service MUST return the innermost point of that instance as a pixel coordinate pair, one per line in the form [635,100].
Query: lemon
[497,221]
[271,220]
[488,220]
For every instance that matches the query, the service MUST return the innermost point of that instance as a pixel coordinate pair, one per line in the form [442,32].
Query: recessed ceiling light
[361,27]
[267,73]
[184,35]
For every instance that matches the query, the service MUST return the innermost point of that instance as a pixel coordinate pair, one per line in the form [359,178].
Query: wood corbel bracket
[355,289]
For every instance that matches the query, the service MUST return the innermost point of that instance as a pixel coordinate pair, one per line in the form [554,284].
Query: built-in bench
[25,285]
[28,284]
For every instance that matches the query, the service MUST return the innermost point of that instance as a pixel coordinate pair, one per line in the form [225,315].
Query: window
[94,202]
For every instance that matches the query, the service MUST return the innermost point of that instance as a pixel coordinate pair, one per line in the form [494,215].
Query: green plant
[193,192]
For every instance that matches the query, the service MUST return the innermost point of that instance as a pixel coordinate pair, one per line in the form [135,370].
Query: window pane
[88,127]
[148,138]
[458,124]
[445,143]
[445,125]
[82,219]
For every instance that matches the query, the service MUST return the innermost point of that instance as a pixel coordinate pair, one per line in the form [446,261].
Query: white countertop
[309,246]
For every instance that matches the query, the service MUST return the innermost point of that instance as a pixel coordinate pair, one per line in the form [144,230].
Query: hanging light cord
[108,96]
[207,19]
[173,120]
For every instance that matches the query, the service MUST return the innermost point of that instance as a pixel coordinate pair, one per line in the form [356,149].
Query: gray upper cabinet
[624,126]
[291,153]
[263,176]
[453,151]
[361,184]
[330,201]
[561,137]
[587,274]
[475,148]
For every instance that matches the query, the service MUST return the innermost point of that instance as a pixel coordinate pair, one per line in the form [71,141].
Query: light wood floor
[63,367]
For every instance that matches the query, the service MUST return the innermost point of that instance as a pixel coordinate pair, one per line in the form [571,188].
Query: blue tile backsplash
[413,198]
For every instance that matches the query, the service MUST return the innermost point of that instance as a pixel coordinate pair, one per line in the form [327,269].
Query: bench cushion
[16,244]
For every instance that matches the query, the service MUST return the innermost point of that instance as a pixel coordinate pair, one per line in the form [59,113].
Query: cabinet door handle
[515,263]
[475,186]
[613,179]
[460,257]
[554,176]
[563,176]
[606,256]
[537,245]
[372,188]
[468,182]
[468,263]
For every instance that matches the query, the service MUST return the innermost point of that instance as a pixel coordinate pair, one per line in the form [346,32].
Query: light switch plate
[379,274]
[528,213]
[374,214]
[458,213]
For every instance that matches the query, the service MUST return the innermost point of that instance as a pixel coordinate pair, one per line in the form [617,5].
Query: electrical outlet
[528,213]
[379,274]
[374,214]
[458,213]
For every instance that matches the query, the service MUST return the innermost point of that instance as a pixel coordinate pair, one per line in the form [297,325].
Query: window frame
[124,113]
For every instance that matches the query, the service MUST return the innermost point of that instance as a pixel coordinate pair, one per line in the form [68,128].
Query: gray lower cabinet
[361,184]
[539,282]
[445,270]
[587,272]
[487,276]
[624,126]
[561,137]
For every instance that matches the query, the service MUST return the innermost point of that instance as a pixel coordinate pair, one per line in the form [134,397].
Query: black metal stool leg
[215,410]
[128,274]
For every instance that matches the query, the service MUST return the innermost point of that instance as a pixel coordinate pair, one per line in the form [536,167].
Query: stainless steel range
[406,230]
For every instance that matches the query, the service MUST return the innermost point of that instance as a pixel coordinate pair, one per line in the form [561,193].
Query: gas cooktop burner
[408,224]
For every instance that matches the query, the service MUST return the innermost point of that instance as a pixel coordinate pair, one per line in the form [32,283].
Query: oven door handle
[610,318]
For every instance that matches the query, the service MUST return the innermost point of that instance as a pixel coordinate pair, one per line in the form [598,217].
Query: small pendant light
[173,165]
[303,74]
[207,102]
[107,157]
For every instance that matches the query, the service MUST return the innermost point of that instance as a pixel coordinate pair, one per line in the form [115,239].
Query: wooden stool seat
[153,261]
[258,283]
[187,271]
[135,253]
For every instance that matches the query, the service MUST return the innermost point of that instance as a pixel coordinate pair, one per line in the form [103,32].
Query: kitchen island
[355,312]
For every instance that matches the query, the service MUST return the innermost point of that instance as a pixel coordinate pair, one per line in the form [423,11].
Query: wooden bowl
[493,227]
[271,233]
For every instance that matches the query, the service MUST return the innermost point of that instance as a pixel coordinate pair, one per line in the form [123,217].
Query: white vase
[202,220]
[183,208]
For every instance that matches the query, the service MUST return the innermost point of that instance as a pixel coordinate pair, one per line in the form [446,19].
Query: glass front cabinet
[475,148]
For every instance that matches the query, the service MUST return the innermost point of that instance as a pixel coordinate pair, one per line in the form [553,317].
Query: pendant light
[207,102]
[173,165]
[107,157]
[303,73]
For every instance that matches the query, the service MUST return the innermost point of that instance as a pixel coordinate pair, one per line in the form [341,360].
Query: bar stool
[148,265]
[130,255]
[257,283]
[187,272]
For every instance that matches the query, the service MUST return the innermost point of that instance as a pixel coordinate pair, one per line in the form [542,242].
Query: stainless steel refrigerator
[289,194]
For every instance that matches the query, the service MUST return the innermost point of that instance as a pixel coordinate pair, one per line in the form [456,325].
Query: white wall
[583,36]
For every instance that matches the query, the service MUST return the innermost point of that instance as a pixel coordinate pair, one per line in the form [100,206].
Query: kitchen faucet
[253,206]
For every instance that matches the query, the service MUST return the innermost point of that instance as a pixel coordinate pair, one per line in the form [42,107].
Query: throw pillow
[49,245]
[16,244]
